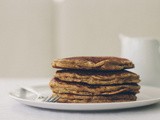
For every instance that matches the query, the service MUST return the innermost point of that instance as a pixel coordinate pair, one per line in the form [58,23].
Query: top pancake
[93,63]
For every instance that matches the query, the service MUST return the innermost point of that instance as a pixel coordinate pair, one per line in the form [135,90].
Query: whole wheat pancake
[59,86]
[94,101]
[97,77]
[94,63]
[67,98]
[61,100]
[97,97]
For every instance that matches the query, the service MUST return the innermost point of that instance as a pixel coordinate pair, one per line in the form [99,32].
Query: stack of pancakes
[94,80]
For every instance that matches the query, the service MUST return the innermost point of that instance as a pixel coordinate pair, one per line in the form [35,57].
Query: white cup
[145,54]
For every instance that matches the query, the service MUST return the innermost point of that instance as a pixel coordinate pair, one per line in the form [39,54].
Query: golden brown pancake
[94,101]
[96,97]
[97,77]
[69,98]
[94,80]
[93,63]
[59,86]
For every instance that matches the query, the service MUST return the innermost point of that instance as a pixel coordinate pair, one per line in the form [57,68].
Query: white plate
[147,96]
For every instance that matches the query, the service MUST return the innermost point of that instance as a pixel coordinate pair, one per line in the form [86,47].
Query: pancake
[97,97]
[93,63]
[68,98]
[94,101]
[59,86]
[97,77]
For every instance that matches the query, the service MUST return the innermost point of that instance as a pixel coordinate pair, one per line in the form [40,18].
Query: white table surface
[12,110]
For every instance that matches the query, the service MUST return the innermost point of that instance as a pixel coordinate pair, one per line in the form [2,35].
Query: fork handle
[30,90]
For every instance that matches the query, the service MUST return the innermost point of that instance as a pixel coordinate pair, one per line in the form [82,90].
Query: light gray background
[34,32]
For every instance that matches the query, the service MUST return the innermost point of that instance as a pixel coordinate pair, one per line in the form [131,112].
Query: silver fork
[52,98]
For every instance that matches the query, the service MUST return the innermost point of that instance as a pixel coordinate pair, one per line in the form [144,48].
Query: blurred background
[34,32]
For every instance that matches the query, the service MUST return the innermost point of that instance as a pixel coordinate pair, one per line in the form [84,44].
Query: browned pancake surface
[96,97]
[69,98]
[94,63]
[58,86]
[97,77]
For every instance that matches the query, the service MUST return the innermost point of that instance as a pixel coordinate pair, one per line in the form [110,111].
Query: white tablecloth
[12,110]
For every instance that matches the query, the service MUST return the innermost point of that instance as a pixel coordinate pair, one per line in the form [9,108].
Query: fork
[52,98]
